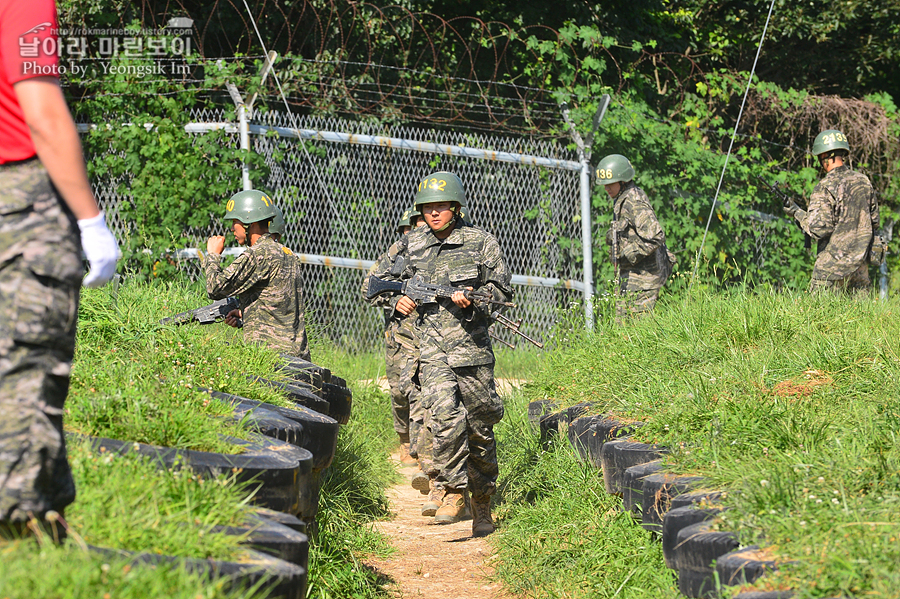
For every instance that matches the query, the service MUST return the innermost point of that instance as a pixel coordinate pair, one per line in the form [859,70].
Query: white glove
[101,250]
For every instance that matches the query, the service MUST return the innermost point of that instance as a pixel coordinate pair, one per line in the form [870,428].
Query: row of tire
[679,510]
[284,461]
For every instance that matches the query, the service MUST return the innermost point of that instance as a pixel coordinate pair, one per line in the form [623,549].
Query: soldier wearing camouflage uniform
[637,241]
[842,217]
[456,357]
[265,278]
[401,354]
[48,215]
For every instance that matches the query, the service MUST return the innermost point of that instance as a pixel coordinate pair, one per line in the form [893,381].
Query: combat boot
[434,501]
[420,482]
[405,458]
[453,507]
[482,524]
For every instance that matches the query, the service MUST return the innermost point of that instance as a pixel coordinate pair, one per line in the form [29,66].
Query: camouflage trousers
[635,304]
[857,281]
[40,279]
[462,407]
[402,370]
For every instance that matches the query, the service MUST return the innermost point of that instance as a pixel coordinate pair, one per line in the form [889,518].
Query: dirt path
[436,562]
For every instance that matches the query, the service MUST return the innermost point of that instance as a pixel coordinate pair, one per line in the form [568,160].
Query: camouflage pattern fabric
[635,304]
[644,260]
[456,358]
[843,217]
[40,254]
[464,407]
[401,358]
[266,280]
[857,282]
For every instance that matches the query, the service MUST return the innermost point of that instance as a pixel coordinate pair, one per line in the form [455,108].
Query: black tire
[677,519]
[278,469]
[605,429]
[619,455]
[297,393]
[538,409]
[572,413]
[694,583]
[702,497]
[340,402]
[578,433]
[657,493]
[289,520]
[296,364]
[698,546]
[743,566]
[273,538]
[549,426]
[283,579]
[269,423]
[633,485]
[321,430]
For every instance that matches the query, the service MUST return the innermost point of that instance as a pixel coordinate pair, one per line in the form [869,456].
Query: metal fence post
[587,243]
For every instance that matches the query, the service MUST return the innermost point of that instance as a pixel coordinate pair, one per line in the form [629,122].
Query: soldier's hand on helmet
[100,248]
[459,298]
[215,244]
[791,207]
[233,319]
[405,305]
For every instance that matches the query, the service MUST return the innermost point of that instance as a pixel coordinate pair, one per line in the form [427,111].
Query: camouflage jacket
[266,279]
[644,260]
[843,217]
[468,257]
[398,329]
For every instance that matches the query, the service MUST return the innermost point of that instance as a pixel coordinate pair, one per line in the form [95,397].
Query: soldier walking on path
[401,353]
[842,217]
[638,244]
[457,360]
[48,215]
[266,278]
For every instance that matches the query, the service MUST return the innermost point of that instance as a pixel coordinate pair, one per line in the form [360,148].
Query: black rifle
[425,293]
[217,310]
[421,292]
[786,201]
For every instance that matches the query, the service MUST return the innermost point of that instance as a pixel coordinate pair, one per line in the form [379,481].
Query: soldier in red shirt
[48,214]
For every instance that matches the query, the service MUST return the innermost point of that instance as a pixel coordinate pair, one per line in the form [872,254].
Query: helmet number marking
[265,200]
[833,137]
[436,184]
[604,173]
[229,206]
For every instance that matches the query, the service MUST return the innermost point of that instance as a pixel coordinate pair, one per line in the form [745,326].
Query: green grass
[789,401]
[560,534]
[352,499]
[133,379]
[29,571]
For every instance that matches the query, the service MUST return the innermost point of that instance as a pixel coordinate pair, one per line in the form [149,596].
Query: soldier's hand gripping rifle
[217,310]
[789,206]
[421,292]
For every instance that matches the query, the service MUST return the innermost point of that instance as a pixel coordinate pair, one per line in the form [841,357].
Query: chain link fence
[342,200]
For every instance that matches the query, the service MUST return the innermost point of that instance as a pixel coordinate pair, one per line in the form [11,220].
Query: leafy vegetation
[785,400]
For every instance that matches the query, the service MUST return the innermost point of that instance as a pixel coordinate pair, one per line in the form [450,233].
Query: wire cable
[337,213]
[712,209]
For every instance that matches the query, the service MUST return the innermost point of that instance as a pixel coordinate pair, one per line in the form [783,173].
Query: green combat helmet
[615,168]
[406,218]
[276,227]
[829,141]
[250,206]
[440,187]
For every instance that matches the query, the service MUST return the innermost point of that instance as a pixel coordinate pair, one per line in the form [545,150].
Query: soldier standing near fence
[638,244]
[842,217]
[457,361]
[265,278]
[48,215]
